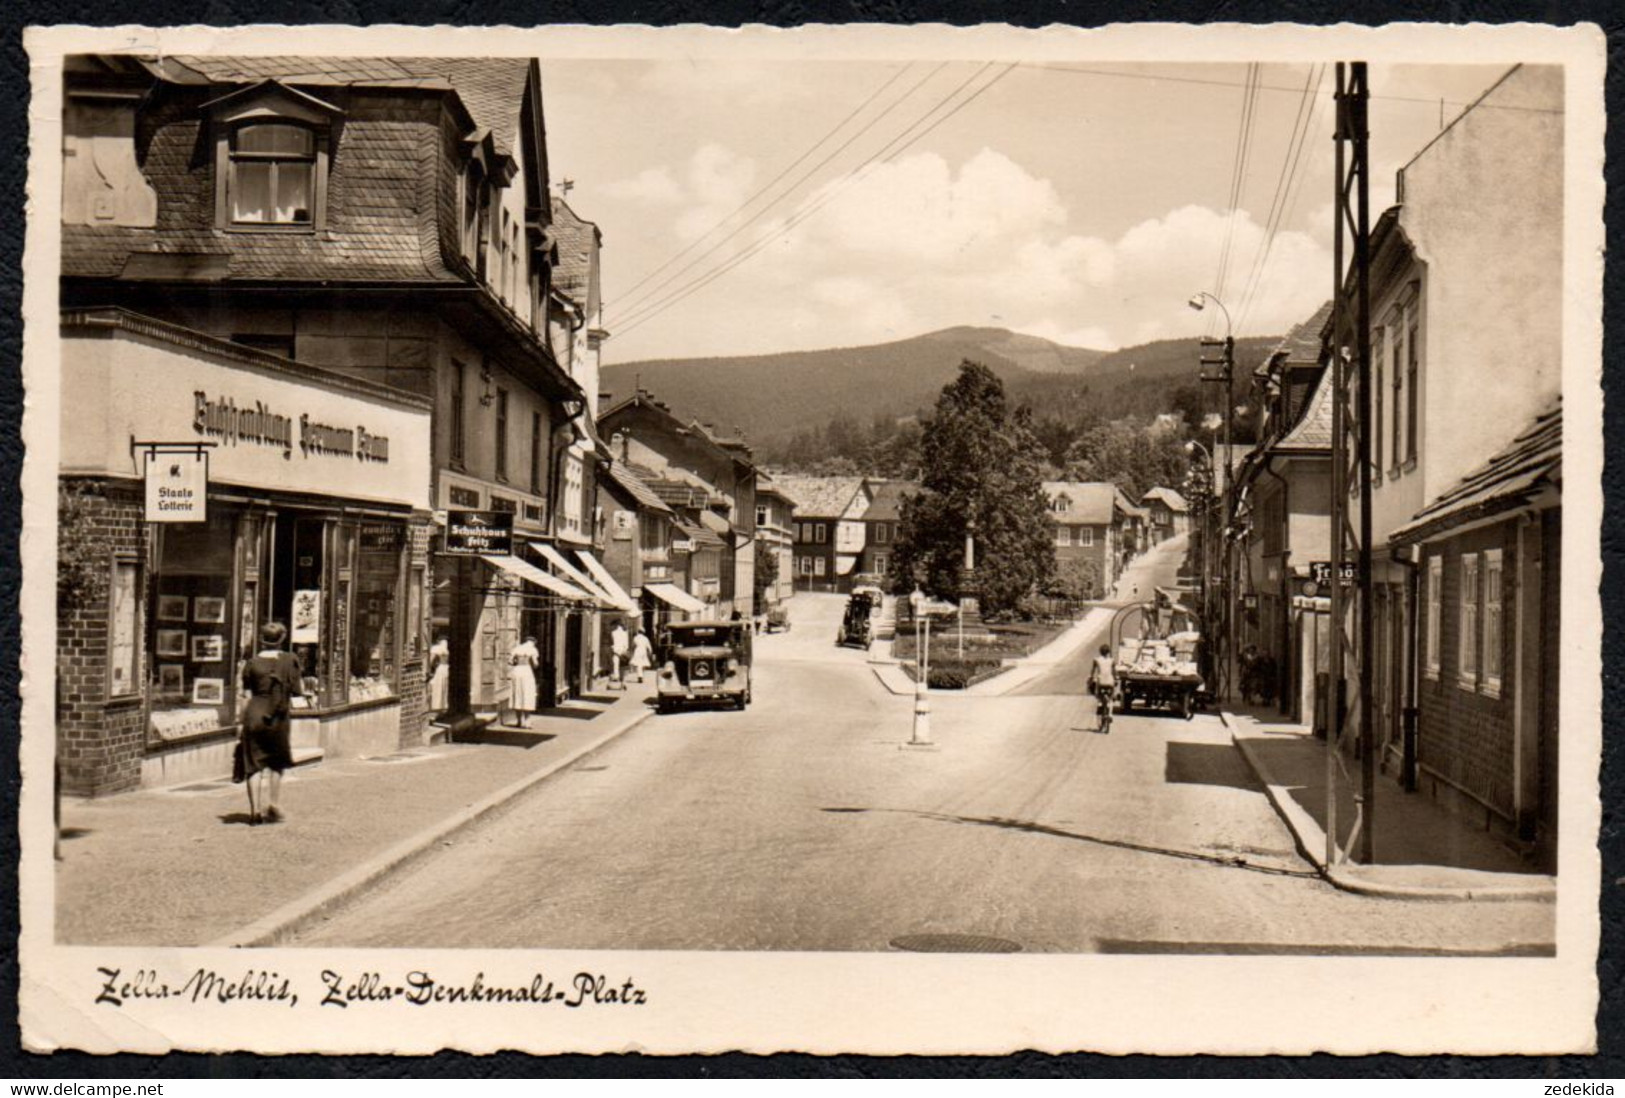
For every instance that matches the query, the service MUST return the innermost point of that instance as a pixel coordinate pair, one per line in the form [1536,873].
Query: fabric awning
[607,582]
[844,564]
[534,575]
[575,575]
[675,596]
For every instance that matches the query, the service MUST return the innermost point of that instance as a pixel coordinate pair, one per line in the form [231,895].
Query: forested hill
[784,402]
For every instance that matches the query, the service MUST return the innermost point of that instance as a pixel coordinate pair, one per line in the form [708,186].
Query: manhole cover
[954,943]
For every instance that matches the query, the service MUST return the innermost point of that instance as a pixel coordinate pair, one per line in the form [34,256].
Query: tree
[1076,579]
[980,462]
[1133,455]
[765,577]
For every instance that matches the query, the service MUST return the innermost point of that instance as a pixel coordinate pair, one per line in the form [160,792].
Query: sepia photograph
[814,509]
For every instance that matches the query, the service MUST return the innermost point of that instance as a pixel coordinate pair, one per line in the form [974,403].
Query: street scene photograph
[844,505]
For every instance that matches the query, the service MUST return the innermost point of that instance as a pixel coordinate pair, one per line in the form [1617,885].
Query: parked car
[778,619]
[704,661]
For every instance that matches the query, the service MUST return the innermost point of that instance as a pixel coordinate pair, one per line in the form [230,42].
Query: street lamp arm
[1202,295]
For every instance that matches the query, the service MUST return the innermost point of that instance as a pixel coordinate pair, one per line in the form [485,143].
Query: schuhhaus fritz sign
[254,423]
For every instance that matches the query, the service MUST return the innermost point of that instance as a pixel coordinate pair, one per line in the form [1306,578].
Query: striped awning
[607,581]
[535,576]
[577,576]
[675,596]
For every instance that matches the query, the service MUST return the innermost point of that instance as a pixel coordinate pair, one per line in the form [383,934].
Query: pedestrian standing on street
[620,646]
[643,653]
[271,678]
[1103,684]
[439,674]
[522,680]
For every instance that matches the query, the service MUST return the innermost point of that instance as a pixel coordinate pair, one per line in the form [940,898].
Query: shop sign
[479,534]
[177,486]
[682,545]
[624,525]
[1321,572]
[381,537]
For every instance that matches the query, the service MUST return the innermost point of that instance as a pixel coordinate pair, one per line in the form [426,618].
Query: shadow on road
[1306,949]
[1233,861]
[1208,764]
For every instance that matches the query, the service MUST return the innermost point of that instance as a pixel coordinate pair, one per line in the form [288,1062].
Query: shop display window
[373,654]
[189,631]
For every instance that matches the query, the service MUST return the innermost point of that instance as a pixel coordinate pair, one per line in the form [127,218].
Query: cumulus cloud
[652,186]
[924,243]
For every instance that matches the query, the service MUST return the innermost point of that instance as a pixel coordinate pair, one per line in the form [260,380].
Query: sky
[756,207]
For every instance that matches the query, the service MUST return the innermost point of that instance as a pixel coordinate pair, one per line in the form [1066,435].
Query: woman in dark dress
[270,678]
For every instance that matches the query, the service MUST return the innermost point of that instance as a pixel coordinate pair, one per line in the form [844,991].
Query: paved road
[802,824]
[1157,567]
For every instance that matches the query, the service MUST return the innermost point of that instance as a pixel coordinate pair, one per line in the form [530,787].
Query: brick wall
[1463,735]
[99,745]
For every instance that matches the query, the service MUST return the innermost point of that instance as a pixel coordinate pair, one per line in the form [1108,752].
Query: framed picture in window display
[373,633]
[171,680]
[305,625]
[193,571]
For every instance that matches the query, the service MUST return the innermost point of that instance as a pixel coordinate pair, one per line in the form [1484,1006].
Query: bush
[957,674]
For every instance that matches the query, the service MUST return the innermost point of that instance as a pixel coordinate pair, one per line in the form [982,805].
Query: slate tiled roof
[767,486]
[820,497]
[1521,470]
[384,204]
[576,240]
[1091,502]
[887,504]
[1174,501]
[1302,343]
[697,533]
[633,485]
[490,88]
[1314,431]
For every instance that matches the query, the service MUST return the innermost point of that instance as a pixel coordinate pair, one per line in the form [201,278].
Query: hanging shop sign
[177,482]
[1320,572]
[479,534]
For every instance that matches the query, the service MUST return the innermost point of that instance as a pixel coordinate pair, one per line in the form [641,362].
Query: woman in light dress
[643,653]
[439,674]
[522,680]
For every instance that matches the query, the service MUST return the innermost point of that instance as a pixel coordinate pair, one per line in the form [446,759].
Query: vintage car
[778,620]
[857,624]
[704,661]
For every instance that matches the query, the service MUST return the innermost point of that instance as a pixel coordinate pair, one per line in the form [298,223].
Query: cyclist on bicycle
[1103,684]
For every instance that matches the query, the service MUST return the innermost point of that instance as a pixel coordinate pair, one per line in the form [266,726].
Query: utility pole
[1353,631]
[1227,377]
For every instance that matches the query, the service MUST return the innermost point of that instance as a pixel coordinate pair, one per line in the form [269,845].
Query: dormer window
[273,174]
[271,154]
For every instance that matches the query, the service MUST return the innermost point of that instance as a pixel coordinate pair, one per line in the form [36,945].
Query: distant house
[1089,519]
[1170,514]
[637,552]
[881,521]
[1284,507]
[654,438]
[829,529]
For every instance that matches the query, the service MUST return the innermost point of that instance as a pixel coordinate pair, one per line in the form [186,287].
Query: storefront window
[190,632]
[126,628]
[372,637]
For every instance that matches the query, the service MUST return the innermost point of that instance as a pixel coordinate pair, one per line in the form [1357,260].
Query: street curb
[291,916]
[1310,839]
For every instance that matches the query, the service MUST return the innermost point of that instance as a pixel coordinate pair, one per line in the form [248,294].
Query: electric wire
[638,301]
[695,243]
[887,153]
[1297,139]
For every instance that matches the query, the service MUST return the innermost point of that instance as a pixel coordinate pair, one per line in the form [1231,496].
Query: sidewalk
[180,866]
[1422,851]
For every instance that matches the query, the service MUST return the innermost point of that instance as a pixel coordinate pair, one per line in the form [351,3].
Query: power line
[640,300]
[648,310]
[888,152]
[1238,171]
[1296,141]
[1424,100]
[766,187]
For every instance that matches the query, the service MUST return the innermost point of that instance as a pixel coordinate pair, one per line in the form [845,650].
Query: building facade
[387,221]
[775,538]
[316,515]
[830,533]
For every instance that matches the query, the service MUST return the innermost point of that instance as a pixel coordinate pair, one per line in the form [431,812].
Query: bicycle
[1105,703]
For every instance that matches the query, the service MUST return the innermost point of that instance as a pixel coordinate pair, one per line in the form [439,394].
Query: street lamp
[1198,301]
